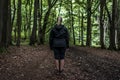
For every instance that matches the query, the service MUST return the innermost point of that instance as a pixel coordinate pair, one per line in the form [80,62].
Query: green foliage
[66,14]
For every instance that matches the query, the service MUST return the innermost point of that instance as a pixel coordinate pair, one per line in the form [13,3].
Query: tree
[19,18]
[29,18]
[13,18]
[102,5]
[89,5]
[9,24]
[72,23]
[33,35]
[1,20]
[42,30]
[40,11]
[112,27]
[3,23]
[82,30]
[118,24]
[79,23]
[33,21]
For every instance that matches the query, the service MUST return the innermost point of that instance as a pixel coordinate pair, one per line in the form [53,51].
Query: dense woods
[90,22]
[94,29]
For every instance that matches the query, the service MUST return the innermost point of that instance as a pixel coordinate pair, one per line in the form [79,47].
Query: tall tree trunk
[14,12]
[118,31]
[42,32]
[9,24]
[112,27]
[70,29]
[79,23]
[102,2]
[82,30]
[26,20]
[19,19]
[1,20]
[29,20]
[13,19]
[40,41]
[89,4]
[3,25]
[72,23]
[33,35]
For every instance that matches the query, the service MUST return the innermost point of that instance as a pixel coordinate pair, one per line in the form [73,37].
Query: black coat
[59,37]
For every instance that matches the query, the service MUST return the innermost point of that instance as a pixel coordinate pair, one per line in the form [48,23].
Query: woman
[59,42]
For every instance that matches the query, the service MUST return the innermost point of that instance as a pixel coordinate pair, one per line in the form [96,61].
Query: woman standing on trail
[59,42]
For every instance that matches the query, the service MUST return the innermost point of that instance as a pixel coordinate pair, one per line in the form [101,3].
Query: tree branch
[110,19]
[98,3]
[53,3]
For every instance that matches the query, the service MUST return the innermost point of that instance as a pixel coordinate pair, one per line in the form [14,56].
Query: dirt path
[37,63]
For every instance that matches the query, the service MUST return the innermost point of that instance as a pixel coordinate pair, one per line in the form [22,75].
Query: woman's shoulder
[64,27]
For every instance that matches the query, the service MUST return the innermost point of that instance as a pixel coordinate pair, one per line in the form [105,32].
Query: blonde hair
[60,18]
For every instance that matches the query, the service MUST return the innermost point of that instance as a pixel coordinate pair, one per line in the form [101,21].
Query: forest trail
[37,63]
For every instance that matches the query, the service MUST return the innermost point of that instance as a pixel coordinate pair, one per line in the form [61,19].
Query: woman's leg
[62,64]
[59,54]
[62,60]
[57,64]
[56,56]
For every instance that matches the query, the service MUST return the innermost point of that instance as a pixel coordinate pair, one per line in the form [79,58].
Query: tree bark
[112,27]
[79,24]
[14,12]
[13,19]
[33,35]
[9,24]
[42,32]
[19,19]
[102,2]
[3,21]
[29,20]
[40,41]
[88,42]
[118,31]
[72,23]
[82,30]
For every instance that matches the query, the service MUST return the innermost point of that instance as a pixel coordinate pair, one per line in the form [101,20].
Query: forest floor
[81,63]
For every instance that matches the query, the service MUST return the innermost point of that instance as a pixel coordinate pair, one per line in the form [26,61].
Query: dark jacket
[59,37]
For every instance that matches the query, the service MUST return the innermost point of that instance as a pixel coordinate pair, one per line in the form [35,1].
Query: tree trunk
[82,30]
[112,27]
[118,31]
[88,43]
[72,23]
[79,23]
[102,2]
[40,41]
[33,35]
[42,32]
[19,19]
[14,12]
[29,20]
[13,19]
[3,25]
[70,29]
[9,30]
[26,20]
[1,20]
